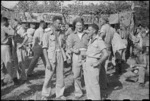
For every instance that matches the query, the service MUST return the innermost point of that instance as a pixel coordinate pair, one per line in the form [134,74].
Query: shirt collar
[97,37]
[82,32]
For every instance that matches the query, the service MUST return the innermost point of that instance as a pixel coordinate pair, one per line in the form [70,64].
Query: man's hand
[49,67]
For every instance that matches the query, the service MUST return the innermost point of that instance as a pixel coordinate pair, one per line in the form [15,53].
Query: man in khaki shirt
[95,56]
[53,49]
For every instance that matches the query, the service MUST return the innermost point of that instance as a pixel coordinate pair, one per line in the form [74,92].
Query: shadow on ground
[32,90]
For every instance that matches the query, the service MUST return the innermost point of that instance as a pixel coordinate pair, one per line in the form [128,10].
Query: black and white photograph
[74,50]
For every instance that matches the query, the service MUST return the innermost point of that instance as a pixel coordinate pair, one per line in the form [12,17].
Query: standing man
[21,51]
[77,42]
[107,33]
[37,48]
[6,32]
[53,42]
[96,55]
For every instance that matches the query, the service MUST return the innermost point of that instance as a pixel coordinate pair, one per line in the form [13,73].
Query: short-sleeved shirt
[30,33]
[76,43]
[109,32]
[95,48]
[38,36]
[49,42]
[5,32]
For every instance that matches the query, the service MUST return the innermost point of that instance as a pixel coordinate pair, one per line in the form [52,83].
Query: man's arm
[102,47]
[104,56]
[102,32]
[45,47]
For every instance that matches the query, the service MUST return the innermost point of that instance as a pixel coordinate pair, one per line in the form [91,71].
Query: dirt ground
[31,90]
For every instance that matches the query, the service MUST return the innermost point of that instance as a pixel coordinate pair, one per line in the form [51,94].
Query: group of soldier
[88,49]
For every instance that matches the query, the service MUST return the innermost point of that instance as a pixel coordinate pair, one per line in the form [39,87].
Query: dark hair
[95,26]
[4,19]
[42,22]
[57,18]
[77,20]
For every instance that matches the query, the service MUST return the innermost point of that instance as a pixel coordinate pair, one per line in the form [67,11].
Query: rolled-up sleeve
[45,41]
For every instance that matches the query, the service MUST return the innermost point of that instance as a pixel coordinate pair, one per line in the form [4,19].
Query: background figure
[37,48]
[107,33]
[21,51]
[30,33]
[119,47]
[124,36]
[6,56]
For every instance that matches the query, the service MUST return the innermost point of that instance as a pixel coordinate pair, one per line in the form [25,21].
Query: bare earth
[31,90]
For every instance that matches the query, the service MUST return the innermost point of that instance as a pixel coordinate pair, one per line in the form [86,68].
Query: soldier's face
[91,31]
[79,27]
[58,24]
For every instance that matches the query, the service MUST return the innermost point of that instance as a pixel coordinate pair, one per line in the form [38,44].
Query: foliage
[141,13]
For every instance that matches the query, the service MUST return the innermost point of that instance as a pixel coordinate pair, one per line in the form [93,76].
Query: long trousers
[76,69]
[91,77]
[6,60]
[59,68]
[38,52]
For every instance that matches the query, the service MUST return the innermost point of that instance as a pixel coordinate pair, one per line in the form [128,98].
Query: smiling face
[79,27]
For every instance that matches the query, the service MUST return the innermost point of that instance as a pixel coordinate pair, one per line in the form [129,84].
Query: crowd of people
[89,51]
